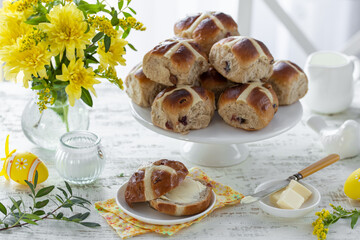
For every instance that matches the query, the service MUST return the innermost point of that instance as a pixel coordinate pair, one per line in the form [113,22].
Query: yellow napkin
[127,226]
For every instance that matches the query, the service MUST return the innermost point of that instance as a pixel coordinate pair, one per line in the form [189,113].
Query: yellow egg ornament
[22,166]
[352,185]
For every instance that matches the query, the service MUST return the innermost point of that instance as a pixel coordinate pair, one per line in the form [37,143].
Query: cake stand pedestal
[220,145]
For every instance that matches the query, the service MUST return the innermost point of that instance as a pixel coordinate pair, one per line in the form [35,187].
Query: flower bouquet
[60,48]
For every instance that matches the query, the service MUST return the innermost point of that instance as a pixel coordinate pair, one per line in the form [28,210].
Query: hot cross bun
[289,82]
[242,59]
[250,106]
[183,108]
[152,181]
[206,28]
[175,61]
[140,88]
[214,82]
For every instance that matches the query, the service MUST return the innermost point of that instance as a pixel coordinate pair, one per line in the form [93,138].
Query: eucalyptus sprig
[18,215]
[325,219]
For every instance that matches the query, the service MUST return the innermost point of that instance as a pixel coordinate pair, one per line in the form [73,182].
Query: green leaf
[59,198]
[107,42]
[90,49]
[90,224]
[63,191]
[44,191]
[120,4]
[39,212]
[31,186]
[36,179]
[37,20]
[128,2]
[29,221]
[68,205]
[132,47]
[87,8]
[41,204]
[16,204]
[85,216]
[132,10]
[354,219]
[92,58]
[126,33]
[115,20]
[3,209]
[37,87]
[59,216]
[87,29]
[32,216]
[86,97]
[83,199]
[126,14]
[76,216]
[97,37]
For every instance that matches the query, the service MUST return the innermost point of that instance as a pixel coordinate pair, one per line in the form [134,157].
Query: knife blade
[332,158]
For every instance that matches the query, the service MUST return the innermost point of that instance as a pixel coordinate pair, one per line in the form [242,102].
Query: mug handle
[356,63]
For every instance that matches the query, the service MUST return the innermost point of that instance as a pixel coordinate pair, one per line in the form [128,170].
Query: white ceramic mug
[331,81]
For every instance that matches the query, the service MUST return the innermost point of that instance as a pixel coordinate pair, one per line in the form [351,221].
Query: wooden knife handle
[332,158]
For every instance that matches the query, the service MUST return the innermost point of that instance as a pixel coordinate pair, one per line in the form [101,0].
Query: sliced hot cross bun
[154,180]
[242,59]
[250,106]
[175,61]
[141,89]
[213,81]
[206,28]
[183,108]
[289,82]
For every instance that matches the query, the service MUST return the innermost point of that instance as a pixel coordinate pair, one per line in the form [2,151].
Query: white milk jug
[331,81]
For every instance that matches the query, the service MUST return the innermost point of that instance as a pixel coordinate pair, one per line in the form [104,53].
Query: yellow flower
[67,30]
[115,54]
[9,12]
[11,31]
[78,77]
[30,62]
[102,24]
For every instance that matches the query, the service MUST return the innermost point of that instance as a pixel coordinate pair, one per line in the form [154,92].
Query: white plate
[220,132]
[144,213]
[306,208]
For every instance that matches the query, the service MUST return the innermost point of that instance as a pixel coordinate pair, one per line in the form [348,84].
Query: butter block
[300,189]
[276,196]
[290,199]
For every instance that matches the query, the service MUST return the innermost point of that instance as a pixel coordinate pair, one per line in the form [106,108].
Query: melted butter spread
[188,191]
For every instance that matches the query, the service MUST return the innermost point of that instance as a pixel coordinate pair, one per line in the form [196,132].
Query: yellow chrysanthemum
[78,77]
[115,54]
[9,12]
[30,62]
[67,30]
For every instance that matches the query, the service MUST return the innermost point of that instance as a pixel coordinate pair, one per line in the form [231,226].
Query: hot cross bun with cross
[175,61]
[242,59]
[154,180]
[289,82]
[249,106]
[206,28]
[140,88]
[180,109]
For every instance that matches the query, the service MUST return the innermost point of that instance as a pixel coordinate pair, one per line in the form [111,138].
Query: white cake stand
[220,145]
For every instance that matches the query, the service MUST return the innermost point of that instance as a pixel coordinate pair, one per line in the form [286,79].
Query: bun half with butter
[168,189]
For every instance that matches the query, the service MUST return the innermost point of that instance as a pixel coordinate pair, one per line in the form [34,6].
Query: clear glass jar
[80,157]
[45,129]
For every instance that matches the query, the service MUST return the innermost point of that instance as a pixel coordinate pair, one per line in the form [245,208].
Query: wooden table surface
[128,144]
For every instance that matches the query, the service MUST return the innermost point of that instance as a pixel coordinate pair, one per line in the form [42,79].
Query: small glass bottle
[80,157]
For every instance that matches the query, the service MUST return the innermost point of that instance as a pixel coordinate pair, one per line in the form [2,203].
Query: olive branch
[18,215]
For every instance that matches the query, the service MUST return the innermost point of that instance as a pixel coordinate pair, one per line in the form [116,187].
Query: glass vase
[45,129]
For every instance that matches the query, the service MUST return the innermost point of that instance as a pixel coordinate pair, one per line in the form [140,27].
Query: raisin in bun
[175,61]
[206,28]
[180,109]
[249,106]
[154,180]
[214,82]
[242,59]
[140,88]
[289,82]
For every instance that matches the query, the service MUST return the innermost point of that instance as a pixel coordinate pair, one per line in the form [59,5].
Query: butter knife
[332,158]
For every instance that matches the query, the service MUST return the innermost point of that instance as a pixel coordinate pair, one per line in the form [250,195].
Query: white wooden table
[128,144]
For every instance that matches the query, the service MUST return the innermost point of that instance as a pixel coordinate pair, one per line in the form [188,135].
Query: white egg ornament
[22,166]
[352,185]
